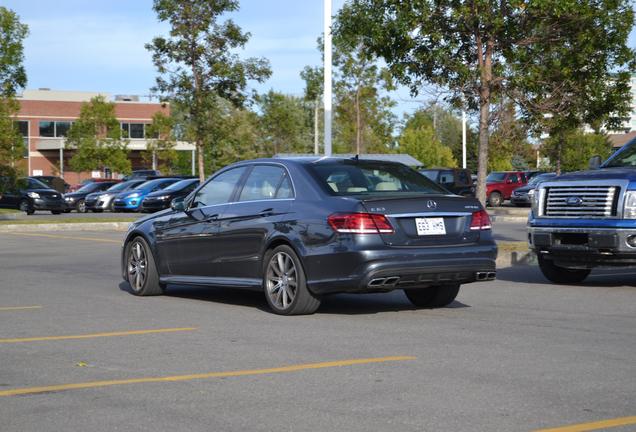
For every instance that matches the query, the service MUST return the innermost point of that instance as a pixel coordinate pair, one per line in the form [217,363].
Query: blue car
[131,200]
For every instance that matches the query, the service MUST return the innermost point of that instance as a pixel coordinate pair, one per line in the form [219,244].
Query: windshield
[89,187]
[625,158]
[30,183]
[181,185]
[123,186]
[496,177]
[371,178]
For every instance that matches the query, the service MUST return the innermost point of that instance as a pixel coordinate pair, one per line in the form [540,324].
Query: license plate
[430,226]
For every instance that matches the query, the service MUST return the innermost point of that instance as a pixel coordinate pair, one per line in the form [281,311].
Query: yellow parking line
[584,427]
[96,335]
[67,237]
[239,373]
[12,308]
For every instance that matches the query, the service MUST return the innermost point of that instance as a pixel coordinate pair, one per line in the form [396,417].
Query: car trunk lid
[426,220]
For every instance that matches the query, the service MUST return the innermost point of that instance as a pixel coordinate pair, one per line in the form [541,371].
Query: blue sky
[98,45]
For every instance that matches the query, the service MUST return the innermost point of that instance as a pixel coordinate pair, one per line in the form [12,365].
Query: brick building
[45,117]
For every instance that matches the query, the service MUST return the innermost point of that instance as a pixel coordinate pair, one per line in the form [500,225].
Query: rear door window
[263,183]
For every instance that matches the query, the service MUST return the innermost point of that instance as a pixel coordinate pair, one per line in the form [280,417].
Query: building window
[23,129]
[47,129]
[133,130]
[61,128]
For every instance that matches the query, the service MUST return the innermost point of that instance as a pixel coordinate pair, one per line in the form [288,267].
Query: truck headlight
[629,208]
[533,196]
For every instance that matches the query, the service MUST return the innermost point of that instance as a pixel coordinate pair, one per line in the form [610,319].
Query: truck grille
[577,201]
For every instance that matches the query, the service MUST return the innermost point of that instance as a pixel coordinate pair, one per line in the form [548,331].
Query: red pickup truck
[500,184]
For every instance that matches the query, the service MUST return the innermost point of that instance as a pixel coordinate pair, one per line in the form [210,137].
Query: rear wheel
[495,199]
[433,297]
[141,270]
[285,283]
[26,207]
[561,275]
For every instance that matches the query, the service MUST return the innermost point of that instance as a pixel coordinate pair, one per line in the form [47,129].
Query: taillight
[480,221]
[360,223]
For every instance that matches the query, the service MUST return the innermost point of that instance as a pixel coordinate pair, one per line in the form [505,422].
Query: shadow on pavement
[346,304]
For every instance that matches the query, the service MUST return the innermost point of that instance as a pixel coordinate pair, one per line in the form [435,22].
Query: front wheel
[495,199]
[561,275]
[141,270]
[285,284]
[81,206]
[433,297]
[26,207]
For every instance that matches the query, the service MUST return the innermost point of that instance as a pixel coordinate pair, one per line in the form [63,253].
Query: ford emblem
[430,204]
[574,201]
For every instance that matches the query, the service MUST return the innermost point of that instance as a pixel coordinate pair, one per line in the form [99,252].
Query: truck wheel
[433,297]
[495,199]
[561,275]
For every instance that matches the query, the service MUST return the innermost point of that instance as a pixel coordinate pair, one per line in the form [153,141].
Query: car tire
[67,210]
[26,207]
[433,297]
[495,199]
[281,270]
[81,206]
[141,269]
[561,275]
[55,212]
[97,210]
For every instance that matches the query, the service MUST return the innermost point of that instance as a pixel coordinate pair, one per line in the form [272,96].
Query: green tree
[239,137]
[509,144]
[96,138]
[313,77]
[283,123]
[198,64]
[12,79]
[482,48]
[419,140]
[575,149]
[161,143]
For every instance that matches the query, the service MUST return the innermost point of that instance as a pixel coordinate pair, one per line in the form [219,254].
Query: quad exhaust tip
[384,282]
[485,276]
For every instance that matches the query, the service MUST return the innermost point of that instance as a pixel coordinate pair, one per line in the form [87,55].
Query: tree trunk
[559,151]
[358,124]
[200,161]
[485,64]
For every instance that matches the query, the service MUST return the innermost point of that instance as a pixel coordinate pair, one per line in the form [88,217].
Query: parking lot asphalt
[78,352]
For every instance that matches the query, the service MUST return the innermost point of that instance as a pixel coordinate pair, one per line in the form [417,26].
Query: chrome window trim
[429,214]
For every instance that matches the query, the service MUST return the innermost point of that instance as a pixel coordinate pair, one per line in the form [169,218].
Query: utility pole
[316,144]
[327,77]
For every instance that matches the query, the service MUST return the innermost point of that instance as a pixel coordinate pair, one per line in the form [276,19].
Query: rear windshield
[371,178]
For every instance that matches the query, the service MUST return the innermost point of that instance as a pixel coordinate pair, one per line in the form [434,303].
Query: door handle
[267,212]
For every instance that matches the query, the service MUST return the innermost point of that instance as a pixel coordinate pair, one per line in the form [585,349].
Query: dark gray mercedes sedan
[300,229]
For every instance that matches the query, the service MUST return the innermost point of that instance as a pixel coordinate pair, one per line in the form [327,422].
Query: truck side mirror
[595,162]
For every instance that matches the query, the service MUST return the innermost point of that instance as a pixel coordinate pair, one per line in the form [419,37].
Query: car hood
[76,195]
[525,188]
[41,190]
[600,174]
[161,193]
[132,191]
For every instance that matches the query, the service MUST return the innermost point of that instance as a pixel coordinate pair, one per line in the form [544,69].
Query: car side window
[463,177]
[285,189]
[262,183]
[447,177]
[514,178]
[219,189]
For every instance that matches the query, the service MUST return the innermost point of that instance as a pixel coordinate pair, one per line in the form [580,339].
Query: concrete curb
[9,216]
[84,226]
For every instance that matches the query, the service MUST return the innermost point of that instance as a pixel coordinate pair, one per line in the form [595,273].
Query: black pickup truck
[456,180]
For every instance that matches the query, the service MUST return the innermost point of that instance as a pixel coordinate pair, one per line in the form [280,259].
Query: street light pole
[327,76]
[464,139]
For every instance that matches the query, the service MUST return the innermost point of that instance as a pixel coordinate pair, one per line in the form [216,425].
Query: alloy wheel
[137,266]
[24,206]
[281,280]
[81,206]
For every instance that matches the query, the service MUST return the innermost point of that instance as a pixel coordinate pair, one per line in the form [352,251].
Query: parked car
[300,229]
[500,184]
[142,174]
[161,199]
[458,181]
[586,219]
[532,174]
[131,200]
[29,195]
[76,187]
[521,196]
[54,182]
[103,200]
[77,200]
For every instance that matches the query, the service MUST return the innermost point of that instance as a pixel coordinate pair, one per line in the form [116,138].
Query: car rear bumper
[402,268]
[584,247]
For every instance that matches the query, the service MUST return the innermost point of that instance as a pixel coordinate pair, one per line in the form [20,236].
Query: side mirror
[178,204]
[595,162]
